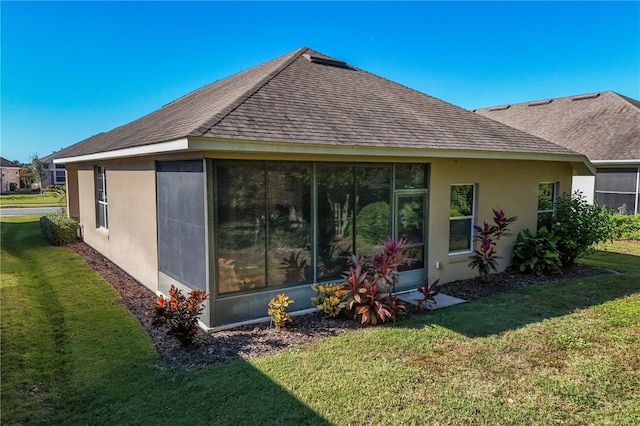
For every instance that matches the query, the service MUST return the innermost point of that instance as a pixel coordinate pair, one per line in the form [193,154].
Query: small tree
[39,169]
[579,226]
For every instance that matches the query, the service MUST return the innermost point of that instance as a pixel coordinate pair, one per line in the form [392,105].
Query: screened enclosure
[618,189]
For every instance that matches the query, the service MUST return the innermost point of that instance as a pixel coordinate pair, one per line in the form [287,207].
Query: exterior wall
[9,176]
[130,241]
[586,185]
[508,185]
[73,204]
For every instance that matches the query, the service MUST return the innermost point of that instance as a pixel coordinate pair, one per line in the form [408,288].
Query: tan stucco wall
[130,241]
[73,202]
[508,185]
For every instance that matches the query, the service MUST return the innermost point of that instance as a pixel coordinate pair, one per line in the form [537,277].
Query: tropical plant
[180,313]
[371,284]
[486,259]
[278,310]
[579,226]
[429,293]
[329,298]
[537,253]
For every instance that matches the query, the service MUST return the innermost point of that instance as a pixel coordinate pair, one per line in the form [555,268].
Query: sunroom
[258,228]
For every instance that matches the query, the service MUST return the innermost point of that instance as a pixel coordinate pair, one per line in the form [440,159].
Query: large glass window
[279,224]
[547,193]
[101,198]
[336,194]
[263,226]
[461,218]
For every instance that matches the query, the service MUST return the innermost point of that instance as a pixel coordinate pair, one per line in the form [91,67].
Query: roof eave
[177,145]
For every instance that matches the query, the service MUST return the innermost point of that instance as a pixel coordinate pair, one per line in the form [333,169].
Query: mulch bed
[259,340]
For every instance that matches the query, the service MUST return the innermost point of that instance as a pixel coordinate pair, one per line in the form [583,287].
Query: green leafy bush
[180,313]
[278,310]
[372,223]
[579,226]
[329,298]
[626,227]
[59,229]
[537,253]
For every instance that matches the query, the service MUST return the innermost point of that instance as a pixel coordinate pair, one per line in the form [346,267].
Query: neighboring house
[604,126]
[10,175]
[56,175]
[260,183]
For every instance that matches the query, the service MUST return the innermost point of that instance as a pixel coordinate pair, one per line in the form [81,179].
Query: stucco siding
[508,185]
[130,240]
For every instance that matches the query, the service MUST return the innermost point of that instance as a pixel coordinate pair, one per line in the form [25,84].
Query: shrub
[538,253]
[59,229]
[278,310]
[486,259]
[329,299]
[372,282]
[180,313]
[579,226]
[626,227]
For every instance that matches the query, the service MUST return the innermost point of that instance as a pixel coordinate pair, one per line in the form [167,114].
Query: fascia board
[231,145]
[157,148]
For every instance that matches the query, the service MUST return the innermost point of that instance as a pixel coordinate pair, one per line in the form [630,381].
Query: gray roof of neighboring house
[6,163]
[604,126]
[305,97]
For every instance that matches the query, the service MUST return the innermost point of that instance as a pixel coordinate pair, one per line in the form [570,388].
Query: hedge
[59,229]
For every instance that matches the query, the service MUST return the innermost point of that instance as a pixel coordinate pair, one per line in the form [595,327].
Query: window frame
[554,197]
[101,201]
[474,209]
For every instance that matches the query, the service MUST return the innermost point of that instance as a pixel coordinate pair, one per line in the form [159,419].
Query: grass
[565,353]
[31,200]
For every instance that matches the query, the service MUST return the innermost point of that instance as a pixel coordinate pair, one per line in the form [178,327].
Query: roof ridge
[247,94]
[634,102]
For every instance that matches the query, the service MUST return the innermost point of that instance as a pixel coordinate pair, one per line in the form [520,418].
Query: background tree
[26,176]
[39,169]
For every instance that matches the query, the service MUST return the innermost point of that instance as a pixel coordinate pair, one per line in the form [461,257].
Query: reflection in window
[240,227]
[461,218]
[335,217]
[546,199]
[373,213]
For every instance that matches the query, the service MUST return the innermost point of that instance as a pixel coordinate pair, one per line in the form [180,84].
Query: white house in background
[604,126]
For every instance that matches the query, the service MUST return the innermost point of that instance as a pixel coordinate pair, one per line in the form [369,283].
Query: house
[259,183]
[605,126]
[10,175]
[56,175]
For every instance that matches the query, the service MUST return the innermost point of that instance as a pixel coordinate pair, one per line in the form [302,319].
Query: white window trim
[101,173]
[474,209]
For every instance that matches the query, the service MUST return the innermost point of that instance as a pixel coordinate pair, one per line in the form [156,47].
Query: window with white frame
[547,193]
[461,218]
[101,198]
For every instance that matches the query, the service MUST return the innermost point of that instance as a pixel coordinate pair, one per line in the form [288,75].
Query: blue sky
[73,69]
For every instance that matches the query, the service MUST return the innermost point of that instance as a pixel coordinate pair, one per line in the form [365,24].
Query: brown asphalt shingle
[292,99]
[602,126]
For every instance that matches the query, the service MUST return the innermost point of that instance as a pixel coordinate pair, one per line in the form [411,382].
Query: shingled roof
[309,99]
[604,126]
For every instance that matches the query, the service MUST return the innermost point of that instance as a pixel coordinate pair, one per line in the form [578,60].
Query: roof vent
[589,96]
[536,103]
[500,108]
[323,60]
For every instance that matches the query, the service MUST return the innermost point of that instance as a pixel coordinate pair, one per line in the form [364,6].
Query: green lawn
[22,199]
[566,353]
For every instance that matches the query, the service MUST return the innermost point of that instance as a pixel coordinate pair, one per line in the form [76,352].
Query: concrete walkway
[442,300]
